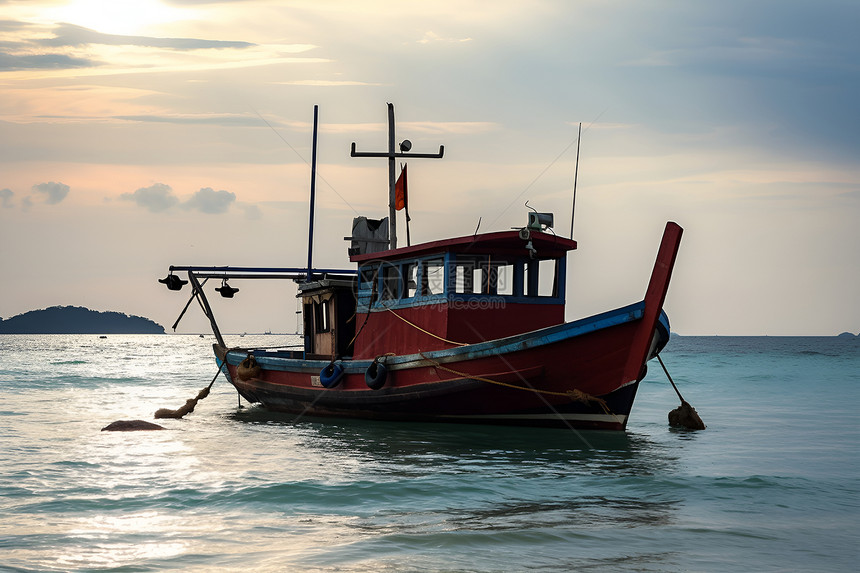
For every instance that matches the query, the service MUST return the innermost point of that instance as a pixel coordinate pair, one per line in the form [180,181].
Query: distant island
[77,320]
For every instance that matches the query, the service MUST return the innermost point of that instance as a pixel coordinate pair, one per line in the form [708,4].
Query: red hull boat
[467,330]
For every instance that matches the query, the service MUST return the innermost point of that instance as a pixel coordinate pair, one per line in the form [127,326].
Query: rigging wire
[306,162]
[545,169]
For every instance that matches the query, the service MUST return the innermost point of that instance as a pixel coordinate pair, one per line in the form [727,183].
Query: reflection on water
[441,480]
[586,512]
[456,445]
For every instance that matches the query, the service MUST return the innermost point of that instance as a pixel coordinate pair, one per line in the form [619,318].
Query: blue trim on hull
[450,400]
[277,361]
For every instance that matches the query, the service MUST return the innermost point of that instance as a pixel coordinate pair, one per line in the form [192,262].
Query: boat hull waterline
[558,378]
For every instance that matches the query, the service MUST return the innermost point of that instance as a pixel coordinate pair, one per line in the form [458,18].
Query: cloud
[252,212]
[9,62]
[198,119]
[6,197]
[439,127]
[160,197]
[327,83]
[788,69]
[155,198]
[54,192]
[10,25]
[208,200]
[18,50]
[431,37]
[71,35]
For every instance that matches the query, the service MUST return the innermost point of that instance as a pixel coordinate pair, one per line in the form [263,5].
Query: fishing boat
[469,329]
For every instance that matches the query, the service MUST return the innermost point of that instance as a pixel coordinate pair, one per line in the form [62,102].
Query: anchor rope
[189,404]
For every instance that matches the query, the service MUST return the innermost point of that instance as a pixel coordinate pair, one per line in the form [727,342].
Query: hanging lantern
[173,282]
[226,290]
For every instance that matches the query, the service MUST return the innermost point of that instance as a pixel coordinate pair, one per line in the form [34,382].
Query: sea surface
[773,483]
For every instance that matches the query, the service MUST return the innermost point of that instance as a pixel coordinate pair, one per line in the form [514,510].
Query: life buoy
[375,375]
[331,375]
[248,368]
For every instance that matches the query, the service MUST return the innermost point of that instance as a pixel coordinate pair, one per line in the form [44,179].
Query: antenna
[575,175]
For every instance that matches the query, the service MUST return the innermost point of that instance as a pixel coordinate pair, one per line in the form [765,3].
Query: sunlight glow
[118,16]
[104,540]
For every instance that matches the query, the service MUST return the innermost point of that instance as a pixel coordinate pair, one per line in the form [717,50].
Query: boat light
[540,221]
[226,290]
[173,282]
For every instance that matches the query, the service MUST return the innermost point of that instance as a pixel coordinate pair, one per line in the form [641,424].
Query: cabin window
[368,290]
[541,278]
[547,279]
[492,279]
[308,316]
[497,278]
[410,274]
[390,282]
[531,271]
[483,275]
[432,277]
[504,275]
[321,316]
[482,278]
[464,276]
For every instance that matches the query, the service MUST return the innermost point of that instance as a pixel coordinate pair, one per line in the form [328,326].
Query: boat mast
[308,278]
[392,180]
[392,154]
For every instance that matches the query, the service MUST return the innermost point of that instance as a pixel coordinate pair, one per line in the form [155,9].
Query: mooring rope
[413,325]
[190,404]
[573,394]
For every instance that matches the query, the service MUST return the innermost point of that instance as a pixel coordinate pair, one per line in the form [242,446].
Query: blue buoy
[331,375]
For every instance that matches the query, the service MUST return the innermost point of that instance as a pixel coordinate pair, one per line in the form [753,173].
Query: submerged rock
[686,416]
[131,426]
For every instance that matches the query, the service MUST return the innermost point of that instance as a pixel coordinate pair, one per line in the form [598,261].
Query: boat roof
[502,243]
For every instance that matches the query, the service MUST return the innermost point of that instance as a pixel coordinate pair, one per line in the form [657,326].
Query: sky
[139,134]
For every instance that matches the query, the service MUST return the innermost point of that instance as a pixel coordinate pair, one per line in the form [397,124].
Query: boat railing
[293,273]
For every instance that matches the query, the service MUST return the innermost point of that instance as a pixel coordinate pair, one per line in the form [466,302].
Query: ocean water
[773,484]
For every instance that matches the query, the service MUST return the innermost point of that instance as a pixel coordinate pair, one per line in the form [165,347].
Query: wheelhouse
[438,294]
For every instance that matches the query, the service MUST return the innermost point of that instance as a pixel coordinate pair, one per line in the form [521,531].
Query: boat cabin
[328,310]
[458,291]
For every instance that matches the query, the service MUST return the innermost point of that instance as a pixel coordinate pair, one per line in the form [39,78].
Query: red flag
[400,191]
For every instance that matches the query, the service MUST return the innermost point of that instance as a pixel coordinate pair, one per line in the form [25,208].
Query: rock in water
[686,416]
[131,426]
